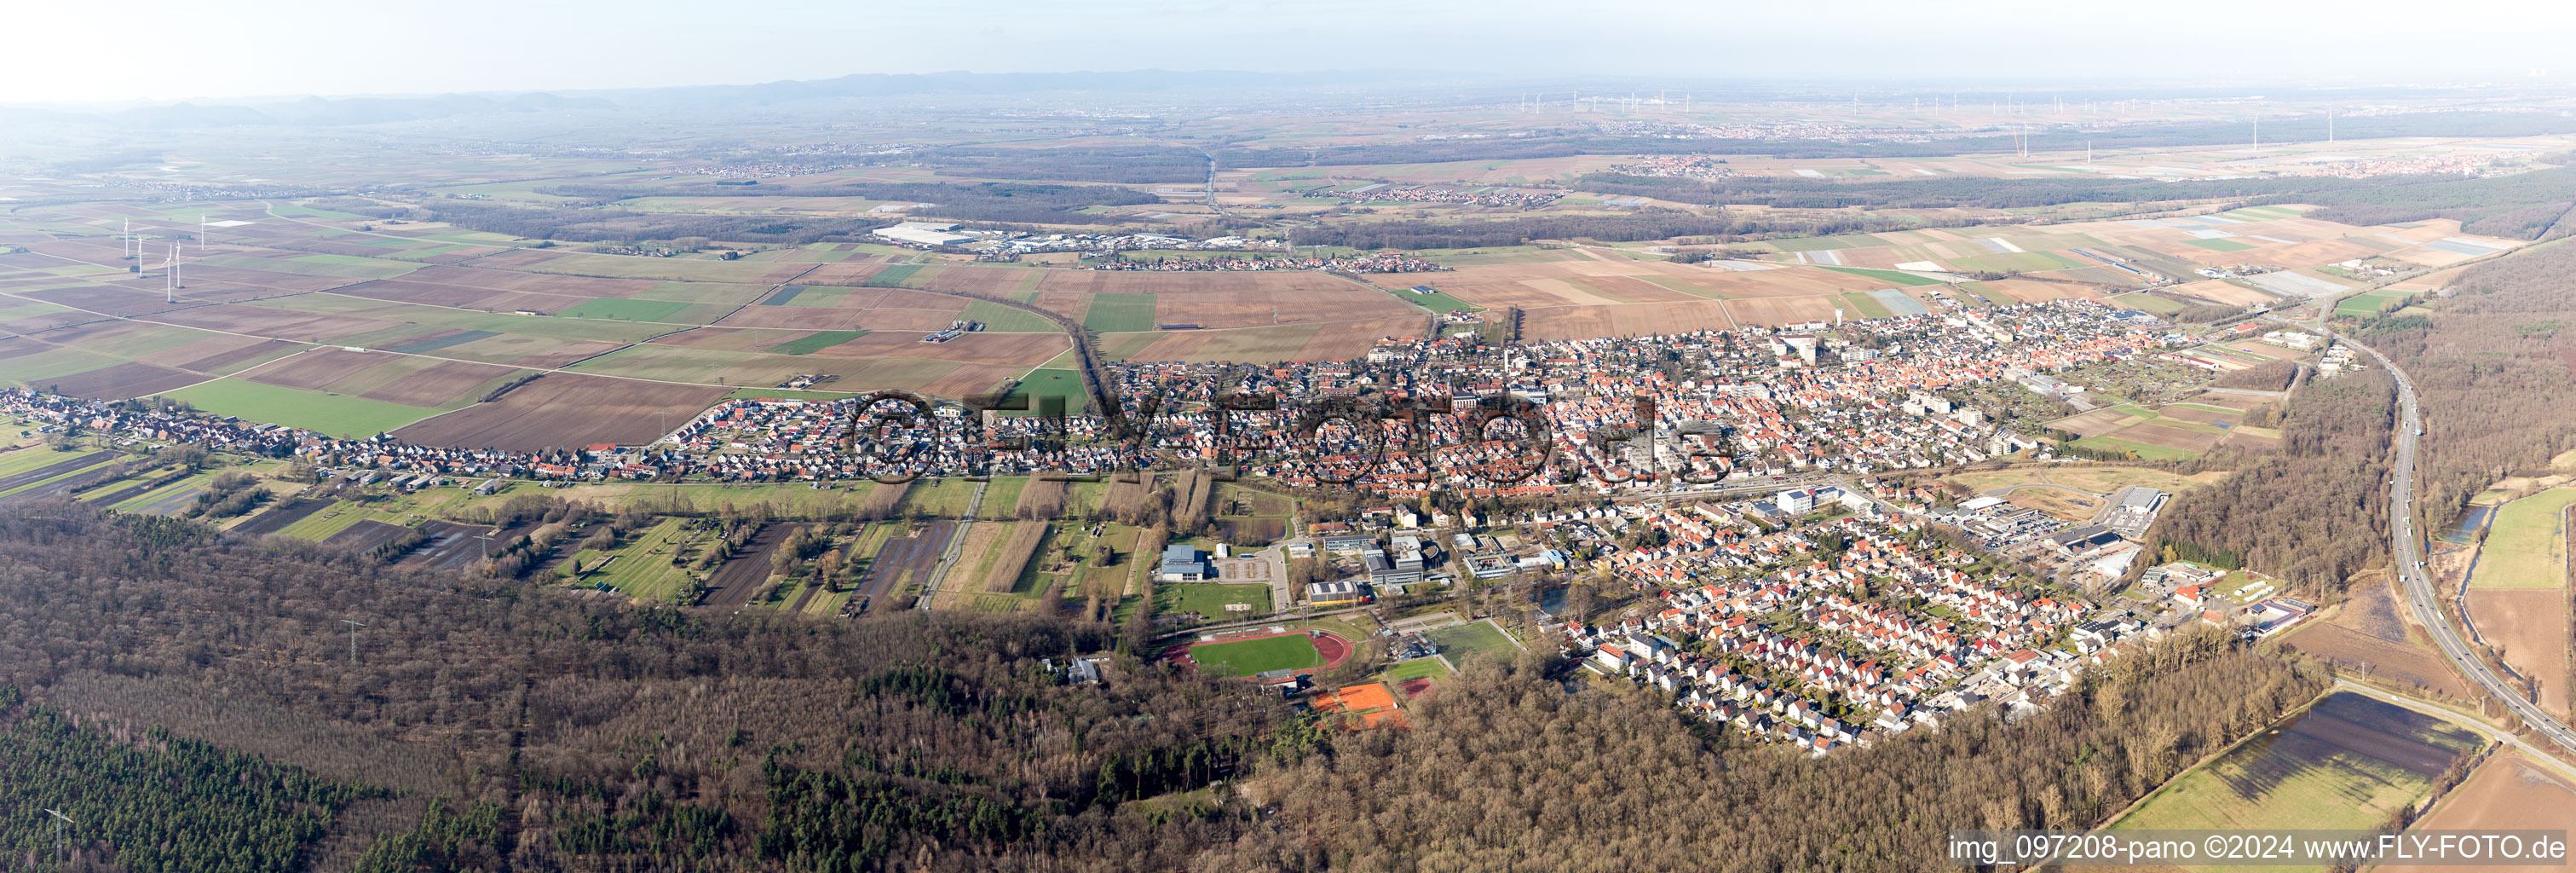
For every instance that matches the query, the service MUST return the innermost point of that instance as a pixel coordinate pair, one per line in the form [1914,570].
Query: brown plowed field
[584,287]
[112,301]
[2531,626]
[1025,350]
[314,369]
[123,381]
[2368,632]
[215,353]
[1581,322]
[285,324]
[972,379]
[1775,311]
[277,517]
[562,410]
[366,535]
[2506,793]
[902,560]
[742,575]
[437,384]
[1218,300]
[844,273]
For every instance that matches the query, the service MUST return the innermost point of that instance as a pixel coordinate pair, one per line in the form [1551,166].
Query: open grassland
[2527,547]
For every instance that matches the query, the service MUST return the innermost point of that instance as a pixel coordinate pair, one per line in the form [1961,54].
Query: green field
[1472,638]
[1863,305]
[641,567]
[947,499]
[1247,657]
[1895,277]
[2219,245]
[625,309]
[2527,547]
[892,277]
[1007,319]
[2149,303]
[2324,776]
[1208,599]
[1048,383]
[1120,313]
[1424,668]
[338,415]
[2144,452]
[819,341]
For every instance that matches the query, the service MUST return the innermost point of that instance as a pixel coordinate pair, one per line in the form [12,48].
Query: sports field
[1043,383]
[1292,651]
[1472,638]
[2527,548]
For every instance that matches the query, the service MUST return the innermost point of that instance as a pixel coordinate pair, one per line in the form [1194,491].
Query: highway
[2419,586]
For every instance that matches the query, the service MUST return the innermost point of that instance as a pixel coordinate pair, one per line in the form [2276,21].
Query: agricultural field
[563,410]
[2348,761]
[2532,628]
[2367,634]
[2527,546]
[337,415]
[2508,792]
[2171,432]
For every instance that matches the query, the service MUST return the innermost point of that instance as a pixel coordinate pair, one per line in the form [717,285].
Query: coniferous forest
[190,699]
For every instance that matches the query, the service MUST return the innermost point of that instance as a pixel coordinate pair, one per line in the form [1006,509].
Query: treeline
[2313,512]
[1934,193]
[2517,206]
[2496,369]
[1645,224]
[570,224]
[974,201]
[1123,165]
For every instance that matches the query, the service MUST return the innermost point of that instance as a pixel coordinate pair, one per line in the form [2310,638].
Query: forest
[1644,224]
[487,726]
[976,201]
[2494,364]
[2517,206]
[2312,512]
[618,225]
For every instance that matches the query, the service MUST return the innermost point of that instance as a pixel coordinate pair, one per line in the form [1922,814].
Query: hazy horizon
[172,51]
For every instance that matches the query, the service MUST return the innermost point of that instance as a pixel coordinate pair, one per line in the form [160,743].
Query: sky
[66,52]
